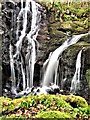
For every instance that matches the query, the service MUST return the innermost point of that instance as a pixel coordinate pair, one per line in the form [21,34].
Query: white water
[56,73]
[52,65]
[32,54]
[19,42]
[31,36]
[12,66]
[75,83]
[46,63]
[25,67]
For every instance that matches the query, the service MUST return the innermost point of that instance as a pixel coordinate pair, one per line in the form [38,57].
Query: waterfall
[46,63]
[31,36]
[75,83]
[12,67]
[56,73]
[24,62]
[23,51]
[52,64]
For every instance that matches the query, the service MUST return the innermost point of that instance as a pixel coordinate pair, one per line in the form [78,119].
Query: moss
[50,100]
[61,105]
[12,118]
[67,17]
[79,29]
[67,24]
[79,101]
[85,110]
[73,16]
[82,44]
[7,104]
[46,100]
[4,103]
[53,114]
[80,12]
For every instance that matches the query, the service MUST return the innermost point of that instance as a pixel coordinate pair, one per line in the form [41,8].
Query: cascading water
[31,36]
[25,62]
[75,83]
[12,67]
[52,64]
[23,53]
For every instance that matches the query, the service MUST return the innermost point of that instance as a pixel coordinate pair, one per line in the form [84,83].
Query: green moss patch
[53,114]
[76,101]
[60,106]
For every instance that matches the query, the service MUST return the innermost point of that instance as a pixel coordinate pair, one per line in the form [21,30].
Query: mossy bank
[42,106]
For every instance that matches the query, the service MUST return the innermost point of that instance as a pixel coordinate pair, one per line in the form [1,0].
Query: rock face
[50,37]
[9,23]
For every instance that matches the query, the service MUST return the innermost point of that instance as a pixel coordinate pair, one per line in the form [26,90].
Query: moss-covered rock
[4,102]
[7,105]
[60,106]
[75,101]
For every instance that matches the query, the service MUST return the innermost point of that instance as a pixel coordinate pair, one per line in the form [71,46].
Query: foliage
[76,12]
[74,8]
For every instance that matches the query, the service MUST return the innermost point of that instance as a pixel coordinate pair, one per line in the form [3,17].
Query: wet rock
[55,88]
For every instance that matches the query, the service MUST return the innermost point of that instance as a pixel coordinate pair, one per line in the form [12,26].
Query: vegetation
[44,106]
[74,15]
[53,114]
